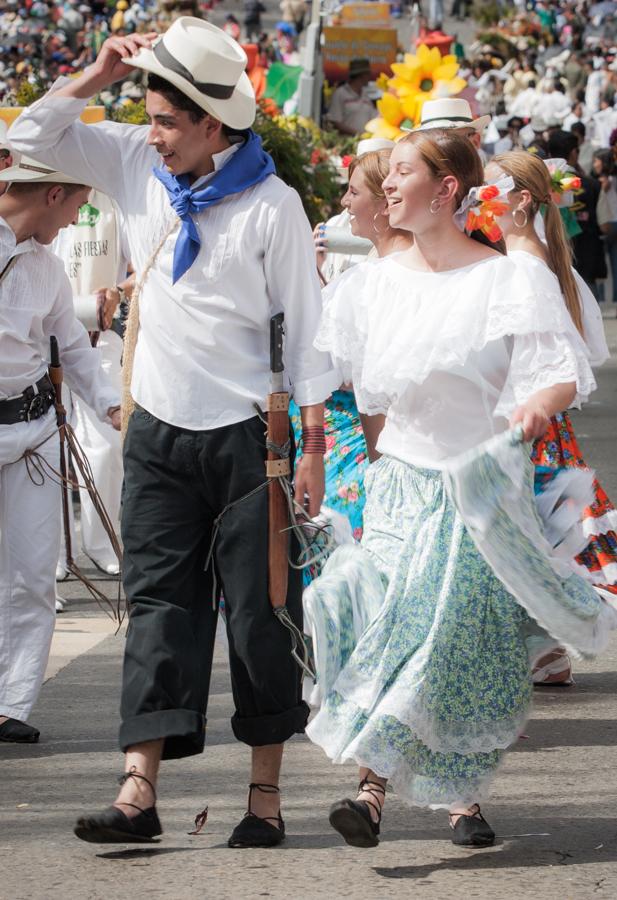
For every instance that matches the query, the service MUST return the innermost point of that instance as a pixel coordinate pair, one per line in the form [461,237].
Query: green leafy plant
[27,93]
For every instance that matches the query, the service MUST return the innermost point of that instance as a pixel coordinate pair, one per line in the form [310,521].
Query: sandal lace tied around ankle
[376,790]
[265,789]
[133,773]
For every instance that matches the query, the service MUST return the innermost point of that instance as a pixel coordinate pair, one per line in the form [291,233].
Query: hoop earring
[433,201]
[375,228]
[525,219]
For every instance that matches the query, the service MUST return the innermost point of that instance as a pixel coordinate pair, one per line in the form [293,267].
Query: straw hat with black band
[454,112]
[29,170]
[206,65]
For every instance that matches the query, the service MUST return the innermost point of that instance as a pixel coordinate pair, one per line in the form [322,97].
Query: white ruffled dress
[421,651]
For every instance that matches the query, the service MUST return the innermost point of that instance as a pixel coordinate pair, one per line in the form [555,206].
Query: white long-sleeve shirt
[202,356]
[36,302]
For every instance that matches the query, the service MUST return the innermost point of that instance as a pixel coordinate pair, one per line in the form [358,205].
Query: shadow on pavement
[512,856]
[147,853]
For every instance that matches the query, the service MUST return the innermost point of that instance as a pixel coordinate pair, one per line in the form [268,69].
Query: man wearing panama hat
[451,112]
[36,302]
[220,244]
[454,112]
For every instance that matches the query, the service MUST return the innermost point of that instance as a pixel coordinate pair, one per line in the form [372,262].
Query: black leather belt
[30,405]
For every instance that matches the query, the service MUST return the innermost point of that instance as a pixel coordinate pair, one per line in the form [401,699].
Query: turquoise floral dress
[346,458]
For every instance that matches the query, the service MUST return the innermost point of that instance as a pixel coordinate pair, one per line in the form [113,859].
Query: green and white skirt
[423,670]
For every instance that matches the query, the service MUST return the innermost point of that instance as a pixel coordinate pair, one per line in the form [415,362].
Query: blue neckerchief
[248,166]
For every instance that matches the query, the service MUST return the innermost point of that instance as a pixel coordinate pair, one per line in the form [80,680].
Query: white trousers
[103,448]
[30,519]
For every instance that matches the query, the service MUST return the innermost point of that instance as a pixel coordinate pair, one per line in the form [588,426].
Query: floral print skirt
[423,670]
[559,449]
[345,460]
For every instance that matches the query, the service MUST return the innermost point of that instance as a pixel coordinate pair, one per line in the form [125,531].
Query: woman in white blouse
[558,448]
[422,663]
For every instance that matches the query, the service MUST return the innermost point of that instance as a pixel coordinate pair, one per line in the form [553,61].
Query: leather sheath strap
[32,404]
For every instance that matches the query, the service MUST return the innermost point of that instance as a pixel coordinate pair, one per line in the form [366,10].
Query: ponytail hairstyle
[530,174]
[447,152]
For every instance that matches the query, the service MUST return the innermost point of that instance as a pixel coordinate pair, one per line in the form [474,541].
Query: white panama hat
[452,112]
[371,145]
[206,65]
[30,170]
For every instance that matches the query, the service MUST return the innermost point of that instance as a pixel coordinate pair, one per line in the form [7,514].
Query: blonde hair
[530,174]
[374,167]
[447,152]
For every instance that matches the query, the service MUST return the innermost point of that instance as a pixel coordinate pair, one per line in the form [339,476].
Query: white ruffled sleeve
[542,360]
[344,330]
[593,326]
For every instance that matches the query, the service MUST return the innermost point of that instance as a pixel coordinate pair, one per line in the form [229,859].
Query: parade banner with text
[343,44]
[366,14]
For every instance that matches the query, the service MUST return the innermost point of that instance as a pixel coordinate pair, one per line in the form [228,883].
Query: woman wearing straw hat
[220,245]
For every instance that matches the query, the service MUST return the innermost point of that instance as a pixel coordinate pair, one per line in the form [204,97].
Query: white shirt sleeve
[101,156]
[293,286]
[542,360]
[81,363]
[593,325]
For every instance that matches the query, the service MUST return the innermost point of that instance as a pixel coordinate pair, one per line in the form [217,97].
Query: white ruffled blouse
[448,356]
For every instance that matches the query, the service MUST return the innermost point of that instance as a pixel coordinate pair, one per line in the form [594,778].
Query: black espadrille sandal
[254,831]
[352,818]
[472,829]
[112,826]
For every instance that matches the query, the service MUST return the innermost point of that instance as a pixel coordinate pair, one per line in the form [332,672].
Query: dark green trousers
[176,483]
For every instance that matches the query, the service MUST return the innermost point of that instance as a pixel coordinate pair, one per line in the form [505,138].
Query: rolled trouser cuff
[259,731]
[184,731]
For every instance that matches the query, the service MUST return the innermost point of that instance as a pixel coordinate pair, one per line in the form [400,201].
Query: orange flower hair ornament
[482,207]
[564,182]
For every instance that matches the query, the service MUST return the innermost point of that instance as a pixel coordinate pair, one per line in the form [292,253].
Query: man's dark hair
[179,100]
[562,143]
[175,96]
[578,128]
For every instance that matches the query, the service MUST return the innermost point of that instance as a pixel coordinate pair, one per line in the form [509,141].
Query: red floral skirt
[559,449]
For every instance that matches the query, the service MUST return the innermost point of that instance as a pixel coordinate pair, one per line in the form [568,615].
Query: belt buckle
[36,407]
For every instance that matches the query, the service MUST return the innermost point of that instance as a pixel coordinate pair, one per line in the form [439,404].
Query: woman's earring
[432,207]
[375,228]
[525,220]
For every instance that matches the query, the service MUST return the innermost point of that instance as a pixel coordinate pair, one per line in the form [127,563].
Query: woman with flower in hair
[542,186]
[423,675]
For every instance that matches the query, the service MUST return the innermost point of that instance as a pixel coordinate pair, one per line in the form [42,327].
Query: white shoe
[62,573]
[109,568]
[60,603]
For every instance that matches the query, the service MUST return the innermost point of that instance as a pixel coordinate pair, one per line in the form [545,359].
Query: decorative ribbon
[482,206]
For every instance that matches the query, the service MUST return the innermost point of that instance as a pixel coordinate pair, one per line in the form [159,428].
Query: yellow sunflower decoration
[427,75]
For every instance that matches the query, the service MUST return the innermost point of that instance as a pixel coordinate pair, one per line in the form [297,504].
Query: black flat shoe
[352,818]
[254,831]
[472,830]
[112,826]
[15,732]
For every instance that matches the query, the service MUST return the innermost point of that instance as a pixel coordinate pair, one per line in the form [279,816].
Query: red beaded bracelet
[313,439]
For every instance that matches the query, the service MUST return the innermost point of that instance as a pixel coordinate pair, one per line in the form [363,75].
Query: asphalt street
[553,805]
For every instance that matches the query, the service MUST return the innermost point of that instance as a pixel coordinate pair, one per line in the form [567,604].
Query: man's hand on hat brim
[108,66]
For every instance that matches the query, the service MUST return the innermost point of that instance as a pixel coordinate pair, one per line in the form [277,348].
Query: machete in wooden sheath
[280,500]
